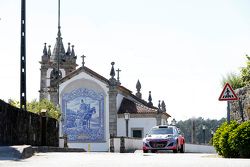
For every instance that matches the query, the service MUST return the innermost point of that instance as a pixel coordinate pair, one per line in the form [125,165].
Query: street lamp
[203,129]
[126,117]
[43,112]
[44,127]
[212,135]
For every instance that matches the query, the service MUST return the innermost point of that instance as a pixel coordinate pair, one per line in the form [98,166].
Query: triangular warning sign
[227,94]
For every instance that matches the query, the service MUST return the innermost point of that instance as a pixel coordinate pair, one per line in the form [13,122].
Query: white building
[94,108]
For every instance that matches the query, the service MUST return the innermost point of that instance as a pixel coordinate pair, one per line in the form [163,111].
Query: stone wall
[19,127]
[240,110]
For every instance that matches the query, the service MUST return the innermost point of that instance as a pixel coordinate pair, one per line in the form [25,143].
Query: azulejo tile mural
[83,115]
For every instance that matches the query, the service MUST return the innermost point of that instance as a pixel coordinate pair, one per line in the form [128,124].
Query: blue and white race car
[164,137]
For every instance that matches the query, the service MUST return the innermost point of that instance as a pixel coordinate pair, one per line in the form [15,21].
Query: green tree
[36,107]
[210,124]
[245,72]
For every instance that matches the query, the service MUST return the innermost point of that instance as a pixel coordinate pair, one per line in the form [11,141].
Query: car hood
[165,136]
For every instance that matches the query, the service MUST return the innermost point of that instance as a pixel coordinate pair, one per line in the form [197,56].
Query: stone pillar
[112,111]
[43,83]
[158,119]
[53,96]
[122,145]
[112,102]
[111,145]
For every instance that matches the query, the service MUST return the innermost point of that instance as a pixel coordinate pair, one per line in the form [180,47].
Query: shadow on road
[10,153]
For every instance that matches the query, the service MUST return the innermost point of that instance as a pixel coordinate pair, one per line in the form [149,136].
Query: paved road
[125,160]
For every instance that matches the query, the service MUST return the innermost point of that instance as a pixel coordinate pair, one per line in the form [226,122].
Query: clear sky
[178,49]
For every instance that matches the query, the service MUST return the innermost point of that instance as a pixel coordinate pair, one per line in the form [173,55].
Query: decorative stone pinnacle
[73,51]
[138,86]
[45,50]
[112,72]
[150,99]
[68,51]
[49,51]
[163,106]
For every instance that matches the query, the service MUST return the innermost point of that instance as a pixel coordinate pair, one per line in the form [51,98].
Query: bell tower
[55,66]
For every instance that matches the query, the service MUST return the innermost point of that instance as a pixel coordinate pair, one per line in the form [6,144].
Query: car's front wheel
[145,151]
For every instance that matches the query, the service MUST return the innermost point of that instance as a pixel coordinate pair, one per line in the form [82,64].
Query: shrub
[224,144]
[240,139]
[217,136]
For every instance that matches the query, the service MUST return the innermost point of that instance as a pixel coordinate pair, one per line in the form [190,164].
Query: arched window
[55,76]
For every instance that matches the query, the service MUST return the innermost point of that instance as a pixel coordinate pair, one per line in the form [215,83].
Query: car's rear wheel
[182,150]
[175,151]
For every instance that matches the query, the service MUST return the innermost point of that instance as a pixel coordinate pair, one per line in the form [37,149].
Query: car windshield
[157,131]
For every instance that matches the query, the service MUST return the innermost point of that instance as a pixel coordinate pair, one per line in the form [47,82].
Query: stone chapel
[93,107]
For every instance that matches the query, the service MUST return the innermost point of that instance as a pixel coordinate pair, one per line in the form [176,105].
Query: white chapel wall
[135,123]
[84,80]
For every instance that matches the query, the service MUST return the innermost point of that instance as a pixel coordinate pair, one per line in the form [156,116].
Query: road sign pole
[228,112]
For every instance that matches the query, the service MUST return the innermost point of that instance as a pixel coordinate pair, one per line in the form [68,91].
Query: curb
[15,152]
[56,149]
[27,152]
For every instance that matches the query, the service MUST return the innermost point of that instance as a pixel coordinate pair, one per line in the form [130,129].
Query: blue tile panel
[83,115]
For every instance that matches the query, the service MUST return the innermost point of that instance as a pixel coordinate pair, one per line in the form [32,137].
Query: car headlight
[170,136]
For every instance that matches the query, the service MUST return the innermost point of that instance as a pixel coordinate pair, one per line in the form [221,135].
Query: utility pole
[193,131]
[23,57]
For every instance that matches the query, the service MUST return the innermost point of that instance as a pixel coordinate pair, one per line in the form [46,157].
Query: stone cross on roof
[118,75]
[83,62]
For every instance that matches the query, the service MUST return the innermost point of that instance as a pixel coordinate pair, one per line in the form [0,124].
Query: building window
[137,133]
